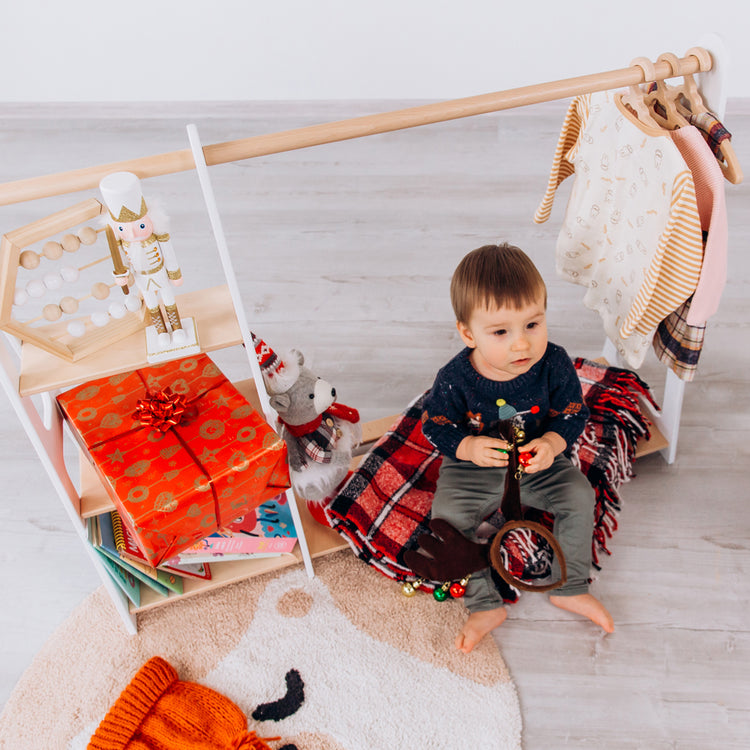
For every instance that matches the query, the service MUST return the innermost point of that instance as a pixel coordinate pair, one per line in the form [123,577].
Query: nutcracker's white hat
[123,196]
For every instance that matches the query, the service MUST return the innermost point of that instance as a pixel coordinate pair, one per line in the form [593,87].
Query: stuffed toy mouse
[320,434]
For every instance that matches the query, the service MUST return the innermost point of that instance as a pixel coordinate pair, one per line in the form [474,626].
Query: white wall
[191,50]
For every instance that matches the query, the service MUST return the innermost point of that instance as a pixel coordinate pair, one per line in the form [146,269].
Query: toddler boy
[510,370]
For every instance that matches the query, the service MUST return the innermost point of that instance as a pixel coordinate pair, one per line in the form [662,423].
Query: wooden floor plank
[345,252]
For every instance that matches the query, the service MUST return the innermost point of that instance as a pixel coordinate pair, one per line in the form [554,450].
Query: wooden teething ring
[496,558]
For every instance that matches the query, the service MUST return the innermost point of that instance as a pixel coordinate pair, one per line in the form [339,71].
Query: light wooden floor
[345,251]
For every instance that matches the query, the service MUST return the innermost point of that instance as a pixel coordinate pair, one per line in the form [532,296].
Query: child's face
[506,342]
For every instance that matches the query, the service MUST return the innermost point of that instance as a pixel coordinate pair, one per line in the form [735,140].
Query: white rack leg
[46,435]
[668,420]
[226,260]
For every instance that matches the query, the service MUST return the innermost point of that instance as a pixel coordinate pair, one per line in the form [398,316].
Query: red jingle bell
[457,590]
[524,458]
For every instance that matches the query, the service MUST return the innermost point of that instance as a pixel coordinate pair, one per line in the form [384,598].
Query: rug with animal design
[342,661]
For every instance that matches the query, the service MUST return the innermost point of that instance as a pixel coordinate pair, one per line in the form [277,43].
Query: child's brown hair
[495,276]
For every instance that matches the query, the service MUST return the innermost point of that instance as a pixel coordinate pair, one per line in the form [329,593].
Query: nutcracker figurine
[149,256]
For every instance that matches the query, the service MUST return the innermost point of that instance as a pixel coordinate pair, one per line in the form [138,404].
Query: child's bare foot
[588,606]
[477,626]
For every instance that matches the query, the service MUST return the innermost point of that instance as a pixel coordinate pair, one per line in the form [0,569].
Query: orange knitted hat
[157,711]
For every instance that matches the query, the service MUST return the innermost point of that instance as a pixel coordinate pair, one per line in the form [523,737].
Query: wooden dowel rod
[358,127]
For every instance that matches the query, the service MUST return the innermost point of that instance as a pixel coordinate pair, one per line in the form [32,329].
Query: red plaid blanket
[385,505]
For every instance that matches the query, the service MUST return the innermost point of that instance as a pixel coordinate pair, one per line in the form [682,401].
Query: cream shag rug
[371,669]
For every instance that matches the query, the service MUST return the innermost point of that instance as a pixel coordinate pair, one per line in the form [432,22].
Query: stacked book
[265,531]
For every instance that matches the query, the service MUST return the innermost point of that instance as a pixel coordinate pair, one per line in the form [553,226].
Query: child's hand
[483,451]
[543,451]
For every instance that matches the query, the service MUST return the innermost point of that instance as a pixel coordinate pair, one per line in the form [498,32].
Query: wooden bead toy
[35,288]
[117,310]
[52,250]
[69,274]
[100,318]
[69,305]
[76,328]
[52,280]
[100,290]
[52,312]
[70,243]
[28,259]
[87,235]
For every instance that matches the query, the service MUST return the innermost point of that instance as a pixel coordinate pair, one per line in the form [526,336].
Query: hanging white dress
[631,232]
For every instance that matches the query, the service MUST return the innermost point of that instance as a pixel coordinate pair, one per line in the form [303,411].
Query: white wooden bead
[87,235]
[69,305]
[52,312]
[76,328]
[70,243]
[52,250]
[117,310]
[28,259]
[20,297]
[100,318]
[69,273]
[35,288]
[52,280]
[133,302]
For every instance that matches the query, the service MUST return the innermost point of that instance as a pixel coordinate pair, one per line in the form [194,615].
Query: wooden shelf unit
[212,310]
[320,540]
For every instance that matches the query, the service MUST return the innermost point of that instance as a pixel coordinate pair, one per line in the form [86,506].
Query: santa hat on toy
[279,375]
[123,196]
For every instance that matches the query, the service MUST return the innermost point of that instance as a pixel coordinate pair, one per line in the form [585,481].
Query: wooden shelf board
[320,540]
[657,442]
[212,310]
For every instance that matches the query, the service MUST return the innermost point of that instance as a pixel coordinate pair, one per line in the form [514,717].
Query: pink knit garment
[712,209]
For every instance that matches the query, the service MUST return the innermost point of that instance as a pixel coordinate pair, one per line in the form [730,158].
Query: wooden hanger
[634,98]
[662,101]
[688,101]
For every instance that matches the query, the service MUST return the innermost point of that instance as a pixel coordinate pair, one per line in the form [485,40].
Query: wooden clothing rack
[42,373]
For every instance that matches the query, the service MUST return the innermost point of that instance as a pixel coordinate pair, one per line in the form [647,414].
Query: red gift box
[179,449]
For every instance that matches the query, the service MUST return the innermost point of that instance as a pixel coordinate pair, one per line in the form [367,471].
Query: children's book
[200,570]
[124,544]
[265,531]
[126,581]
[105,540]
[130,552]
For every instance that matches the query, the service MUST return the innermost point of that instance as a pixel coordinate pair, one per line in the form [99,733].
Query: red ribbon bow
[160,411]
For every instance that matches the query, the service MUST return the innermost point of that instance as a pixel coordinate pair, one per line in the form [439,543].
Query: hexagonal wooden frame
[54,338]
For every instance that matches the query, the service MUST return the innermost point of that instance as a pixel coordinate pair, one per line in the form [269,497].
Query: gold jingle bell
[407,589]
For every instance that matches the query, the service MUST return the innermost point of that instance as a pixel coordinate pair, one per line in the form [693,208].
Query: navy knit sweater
[462,402]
